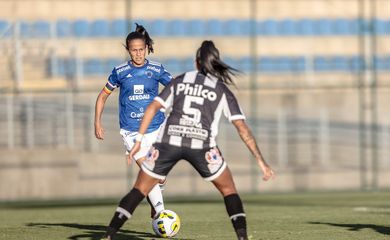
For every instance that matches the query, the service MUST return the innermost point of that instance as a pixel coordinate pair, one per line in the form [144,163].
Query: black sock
[236,213]
[124,211]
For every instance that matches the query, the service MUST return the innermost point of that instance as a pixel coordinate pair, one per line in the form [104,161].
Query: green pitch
[270,216]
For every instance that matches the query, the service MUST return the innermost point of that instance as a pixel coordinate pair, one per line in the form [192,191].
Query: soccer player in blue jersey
[138,80]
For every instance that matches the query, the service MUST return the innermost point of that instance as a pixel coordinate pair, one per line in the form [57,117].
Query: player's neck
[138,65]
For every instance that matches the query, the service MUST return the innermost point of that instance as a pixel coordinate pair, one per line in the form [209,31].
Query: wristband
[139,137]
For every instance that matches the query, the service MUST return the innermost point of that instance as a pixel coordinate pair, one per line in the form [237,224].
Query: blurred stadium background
[315,87]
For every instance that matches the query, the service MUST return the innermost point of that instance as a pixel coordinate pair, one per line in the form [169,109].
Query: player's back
[198,102]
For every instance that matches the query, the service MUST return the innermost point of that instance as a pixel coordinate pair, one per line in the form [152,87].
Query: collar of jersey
[131,65]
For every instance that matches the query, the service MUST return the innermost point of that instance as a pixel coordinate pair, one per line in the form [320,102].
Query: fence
[314,87]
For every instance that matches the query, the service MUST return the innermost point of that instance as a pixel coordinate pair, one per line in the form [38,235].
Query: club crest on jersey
[149,74]
[151,157]
[214,158]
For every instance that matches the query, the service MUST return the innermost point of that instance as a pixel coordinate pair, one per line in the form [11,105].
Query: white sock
[156,198]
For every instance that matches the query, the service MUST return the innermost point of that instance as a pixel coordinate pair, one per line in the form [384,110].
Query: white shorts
[146,144]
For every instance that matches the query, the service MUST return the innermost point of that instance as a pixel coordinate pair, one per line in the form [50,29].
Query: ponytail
[209,62]
[140,33]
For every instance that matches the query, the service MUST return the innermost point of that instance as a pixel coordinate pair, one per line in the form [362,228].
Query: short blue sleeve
[165,77]
[113,79]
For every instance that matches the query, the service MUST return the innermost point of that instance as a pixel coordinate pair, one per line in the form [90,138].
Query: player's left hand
[268,173]
[133,151]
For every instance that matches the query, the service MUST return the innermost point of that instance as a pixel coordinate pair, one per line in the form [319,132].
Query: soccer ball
[166,224]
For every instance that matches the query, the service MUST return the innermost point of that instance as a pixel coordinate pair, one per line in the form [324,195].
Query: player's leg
[225,184]
[212,167]
[129,203]
[155,198]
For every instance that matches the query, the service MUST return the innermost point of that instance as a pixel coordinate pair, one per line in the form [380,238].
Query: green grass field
[270,216]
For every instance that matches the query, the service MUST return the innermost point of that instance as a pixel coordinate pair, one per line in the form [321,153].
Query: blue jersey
[138,87]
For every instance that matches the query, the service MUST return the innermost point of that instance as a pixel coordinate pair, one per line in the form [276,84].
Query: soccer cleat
[109,234]
[241,234]
[106,237]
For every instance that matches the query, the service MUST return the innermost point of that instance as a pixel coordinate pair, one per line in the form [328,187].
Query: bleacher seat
[80,28]
[298,64]
[195,28]
[188,64]
[305,27]
[244,64]
[4,28]
[341,27]
[24,29]
[354,26]
[246,27]
[99,28]
[231,27]
[63,28]
[321,64]
[41,29]
[214,27]
[66,67]
[173,65]
[287,27]
[269,27]
[382,63]
[110,63]
[176,27]
[284,64]
[118,28]
[231,62]
[158,27]
[381,27]
[93,67]
[323,27]
[266,64]
[339,64]
[356,64]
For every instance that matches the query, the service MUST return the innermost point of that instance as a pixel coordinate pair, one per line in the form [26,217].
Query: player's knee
[227,189]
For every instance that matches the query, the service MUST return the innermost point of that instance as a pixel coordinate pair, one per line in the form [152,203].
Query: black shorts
[161,158]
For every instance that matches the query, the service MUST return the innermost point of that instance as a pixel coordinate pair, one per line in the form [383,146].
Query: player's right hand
[99,132]
[133,151]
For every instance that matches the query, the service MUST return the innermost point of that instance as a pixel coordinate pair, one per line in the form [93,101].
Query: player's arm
[150,111]
[99,106]
[249,140]
[165,77]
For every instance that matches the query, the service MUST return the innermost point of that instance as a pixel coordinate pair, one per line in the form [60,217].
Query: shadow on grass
[94,232]
[357,227]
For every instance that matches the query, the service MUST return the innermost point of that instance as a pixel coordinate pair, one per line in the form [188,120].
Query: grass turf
[354,215]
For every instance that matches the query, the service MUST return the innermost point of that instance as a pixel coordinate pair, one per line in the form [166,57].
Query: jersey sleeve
[232,109]
[165,98]
[112,82]
[165,77]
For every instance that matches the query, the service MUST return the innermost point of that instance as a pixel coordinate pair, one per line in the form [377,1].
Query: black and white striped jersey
[196,103]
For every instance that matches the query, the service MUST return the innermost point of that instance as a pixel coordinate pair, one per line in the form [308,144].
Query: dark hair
[140,33]
[209,62]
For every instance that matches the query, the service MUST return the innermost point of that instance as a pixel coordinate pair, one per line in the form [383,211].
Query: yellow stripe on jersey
[106,90]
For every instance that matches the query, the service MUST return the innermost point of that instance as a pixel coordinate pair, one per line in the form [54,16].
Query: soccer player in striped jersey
[138,80]
[197,100]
